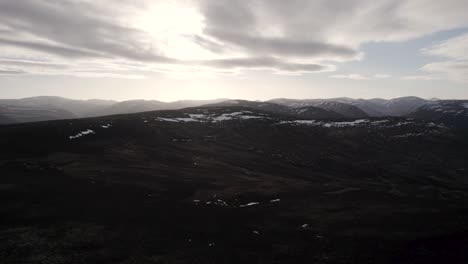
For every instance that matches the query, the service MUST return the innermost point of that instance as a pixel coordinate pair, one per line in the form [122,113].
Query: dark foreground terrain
[233,185]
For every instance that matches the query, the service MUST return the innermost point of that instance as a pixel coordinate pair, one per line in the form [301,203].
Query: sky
[257,49]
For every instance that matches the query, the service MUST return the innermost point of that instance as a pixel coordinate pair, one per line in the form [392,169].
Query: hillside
[230,184]
[355,108]
[453,112]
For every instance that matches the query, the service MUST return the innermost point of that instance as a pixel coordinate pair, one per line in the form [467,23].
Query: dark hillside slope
[232,185]
[343,109]
[452,112]
[312,112]
[6,120]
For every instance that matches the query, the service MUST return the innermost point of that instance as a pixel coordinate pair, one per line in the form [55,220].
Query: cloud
[11,72]
[80,69]
[326,27]
[73,26]
[454,48]
[451,70]
[277,46]
[50,48]
[455,68]
[267,63]
[352,76]
[355,76]
[130,38]
[382,76]
[32,63]
[422,77]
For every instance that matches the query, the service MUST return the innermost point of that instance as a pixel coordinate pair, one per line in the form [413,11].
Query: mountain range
[44,108]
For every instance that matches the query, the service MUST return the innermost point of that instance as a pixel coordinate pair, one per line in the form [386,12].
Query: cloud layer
[109,38]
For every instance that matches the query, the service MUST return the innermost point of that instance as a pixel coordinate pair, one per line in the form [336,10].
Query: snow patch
[250,117]
[198,116]
[82,133]
[167,119]
[346,124]
[409,135]
[249,204]
[189,119]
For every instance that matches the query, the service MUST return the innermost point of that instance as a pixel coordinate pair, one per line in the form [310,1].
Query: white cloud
[422,77]
[352,76]
[355,76]
[455,68]
[454,48]
[451,70]
[382,76]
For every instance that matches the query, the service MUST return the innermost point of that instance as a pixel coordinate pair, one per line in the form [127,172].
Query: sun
[172,26]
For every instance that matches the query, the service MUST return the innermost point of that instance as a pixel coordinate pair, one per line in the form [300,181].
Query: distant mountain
[344,109]
[453,112]
[370,107]
[24,114]
[43,108]
[376,107]
[264,106]
[306,112]
[193,103]
[131,106]
[79,108]
[136,106]
[85,108]
[400,106]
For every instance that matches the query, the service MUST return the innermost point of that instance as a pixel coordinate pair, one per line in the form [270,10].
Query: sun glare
[172,25]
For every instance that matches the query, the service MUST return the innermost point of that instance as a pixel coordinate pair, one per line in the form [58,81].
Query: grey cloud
[239,23]
[266,63]
[50,48]
[208,44]
[285,47]
[327,29]
[29,63]
[11,72]
[86,28]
